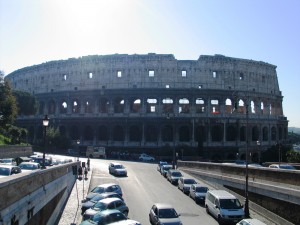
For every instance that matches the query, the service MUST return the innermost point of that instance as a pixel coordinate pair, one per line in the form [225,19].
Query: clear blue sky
[36,31]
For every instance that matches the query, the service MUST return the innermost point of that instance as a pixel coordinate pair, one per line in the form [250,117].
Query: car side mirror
[216,206]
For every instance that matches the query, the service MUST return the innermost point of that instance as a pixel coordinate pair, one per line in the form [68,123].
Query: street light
[45,125]
[78,143]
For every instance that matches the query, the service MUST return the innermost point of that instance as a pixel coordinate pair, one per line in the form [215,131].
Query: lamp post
[78,143]
[247,213]
[45,125]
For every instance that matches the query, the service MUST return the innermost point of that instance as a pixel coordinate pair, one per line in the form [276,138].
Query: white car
[145,157]
[250,222]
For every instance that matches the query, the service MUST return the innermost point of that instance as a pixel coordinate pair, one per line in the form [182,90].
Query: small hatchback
[198,192]
[162,213]
[173,176]
[102,188]
[104,204]
[184,184]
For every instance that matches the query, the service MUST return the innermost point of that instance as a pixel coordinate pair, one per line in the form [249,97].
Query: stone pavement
[72,212]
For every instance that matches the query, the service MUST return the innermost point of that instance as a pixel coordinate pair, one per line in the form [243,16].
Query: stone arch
[51,107]
[255,133]
[184,105]
[75,106]
[200,105]
[231,133]
[265,134]
[88,133]
[243,133]
[135,133]
[167,133]
[200,134]
[103,133]
[118,133]
[273,133]
[119,105]
[63,109]
[216,133]
[151,133]
[135,105]
[103,105]
[167,105]
[228,106]
[215,106]
[151,105]
[89,106]
[74,133]
[184,133]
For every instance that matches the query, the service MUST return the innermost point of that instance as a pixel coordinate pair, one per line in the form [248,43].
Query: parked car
[104,204]
[225,207]
[102,188]
[105,217]
[173,176]
[126,222]
[86,205]
[7,170]
[282,166]
[198,192]
[8,161]
[161,213]
[160,164]
[145,157]
[164,169]
[184,184]
[117,169]
[250,222]
[29,166]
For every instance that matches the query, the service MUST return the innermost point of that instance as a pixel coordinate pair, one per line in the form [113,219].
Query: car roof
[109,200]
[107,185]
[7,166]
[222,194]
[108,212]
[163,205]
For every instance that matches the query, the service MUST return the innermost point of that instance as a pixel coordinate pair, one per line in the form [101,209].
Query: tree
[8,104]
[27,103]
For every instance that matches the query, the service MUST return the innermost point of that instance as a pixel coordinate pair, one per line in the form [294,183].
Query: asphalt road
[144,186]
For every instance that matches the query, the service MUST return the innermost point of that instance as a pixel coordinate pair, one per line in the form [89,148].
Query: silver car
[117,169]
[7,170]
[198,192]
[162,213]
[102,188]
[104,204]
[184,184]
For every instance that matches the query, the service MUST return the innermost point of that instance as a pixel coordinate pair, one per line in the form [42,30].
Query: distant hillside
[294,129]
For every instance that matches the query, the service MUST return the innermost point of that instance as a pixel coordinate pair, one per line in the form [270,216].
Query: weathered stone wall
[31,198]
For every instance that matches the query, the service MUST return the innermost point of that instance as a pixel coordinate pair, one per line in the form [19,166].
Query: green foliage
[56,140]
[4,140]
[27,103]
[8,104]
[294,137]
[293,156]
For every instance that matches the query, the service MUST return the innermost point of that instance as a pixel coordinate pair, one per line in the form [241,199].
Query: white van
[224,206]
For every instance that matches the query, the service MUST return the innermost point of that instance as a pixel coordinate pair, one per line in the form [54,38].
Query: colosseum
[216,107]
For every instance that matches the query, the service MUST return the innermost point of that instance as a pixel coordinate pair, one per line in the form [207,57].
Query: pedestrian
[88,163]
[80,172]
[85,173]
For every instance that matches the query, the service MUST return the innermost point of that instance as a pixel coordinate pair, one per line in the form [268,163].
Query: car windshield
[96,198]
[189,181]
[201,189]
[99,206]
[119,166]
[4,171]
[167,167]
[28,166]
[176,174]
[230,204]
[98,190]
[167,213]
[6,160]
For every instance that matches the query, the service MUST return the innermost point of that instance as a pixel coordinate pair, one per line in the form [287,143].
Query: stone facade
[145,103]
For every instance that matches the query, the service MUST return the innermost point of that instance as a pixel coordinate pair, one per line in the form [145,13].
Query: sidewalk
[72,211]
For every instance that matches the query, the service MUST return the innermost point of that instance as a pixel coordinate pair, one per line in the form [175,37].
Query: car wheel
[125,213]
[207,210]
[220,220]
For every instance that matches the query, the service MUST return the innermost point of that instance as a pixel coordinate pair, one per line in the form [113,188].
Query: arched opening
[135,133]
[103,133]
[118,133]
[184,134]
